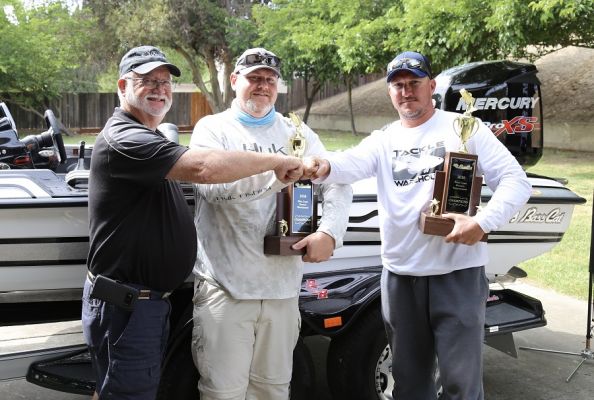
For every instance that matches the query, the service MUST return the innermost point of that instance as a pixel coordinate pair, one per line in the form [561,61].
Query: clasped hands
[466,229]
[291,169]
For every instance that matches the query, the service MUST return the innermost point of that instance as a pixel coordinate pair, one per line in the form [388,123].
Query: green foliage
[206,34]
[531,29]
[450,32]
[323,41]
[299,32]
[453,32]
[41,53]
[52,49]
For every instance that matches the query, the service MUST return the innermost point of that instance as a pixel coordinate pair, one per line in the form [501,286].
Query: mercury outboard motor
[507,98]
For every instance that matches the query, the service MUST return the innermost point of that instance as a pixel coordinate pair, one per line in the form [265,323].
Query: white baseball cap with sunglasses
[256,58]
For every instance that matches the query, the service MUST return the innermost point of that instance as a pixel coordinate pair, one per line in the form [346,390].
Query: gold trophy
[466,125]
[457,188]
[297,141]
[296,205]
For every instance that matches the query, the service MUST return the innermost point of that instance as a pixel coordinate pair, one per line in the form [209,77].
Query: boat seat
[78,179]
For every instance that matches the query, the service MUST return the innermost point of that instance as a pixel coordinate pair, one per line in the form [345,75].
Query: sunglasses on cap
[411,63]
[259,59]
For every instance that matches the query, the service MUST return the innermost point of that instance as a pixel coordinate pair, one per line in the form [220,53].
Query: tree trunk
[349,81]
[217,100]
[309,97]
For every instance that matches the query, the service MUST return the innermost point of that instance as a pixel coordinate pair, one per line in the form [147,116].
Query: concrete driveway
[538,375]
[532,376]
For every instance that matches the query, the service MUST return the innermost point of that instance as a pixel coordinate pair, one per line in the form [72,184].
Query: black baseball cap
[144,59]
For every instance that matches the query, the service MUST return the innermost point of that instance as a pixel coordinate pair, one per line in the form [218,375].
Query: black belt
[143,294]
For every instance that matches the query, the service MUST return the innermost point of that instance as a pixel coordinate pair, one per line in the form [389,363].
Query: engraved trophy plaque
[457,188]
[296,206]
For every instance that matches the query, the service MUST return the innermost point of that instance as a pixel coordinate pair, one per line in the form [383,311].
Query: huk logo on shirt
[417,164]
[259,149]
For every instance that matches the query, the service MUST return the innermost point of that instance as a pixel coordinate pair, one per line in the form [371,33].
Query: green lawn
[564,268]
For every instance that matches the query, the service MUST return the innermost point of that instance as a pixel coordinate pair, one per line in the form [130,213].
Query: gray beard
[253,107]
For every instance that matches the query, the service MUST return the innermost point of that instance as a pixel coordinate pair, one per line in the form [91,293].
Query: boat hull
[44,238]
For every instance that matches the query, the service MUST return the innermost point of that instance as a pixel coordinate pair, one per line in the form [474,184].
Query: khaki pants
[243,349]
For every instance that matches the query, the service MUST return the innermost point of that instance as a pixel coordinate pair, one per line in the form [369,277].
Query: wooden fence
[295,98]
[88,112]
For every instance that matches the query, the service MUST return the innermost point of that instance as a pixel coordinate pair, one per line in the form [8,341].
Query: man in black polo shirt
[142,237]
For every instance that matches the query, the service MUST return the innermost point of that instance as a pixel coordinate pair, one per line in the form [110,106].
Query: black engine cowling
[507,98]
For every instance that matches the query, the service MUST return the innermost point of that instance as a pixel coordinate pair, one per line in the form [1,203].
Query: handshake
[291,169]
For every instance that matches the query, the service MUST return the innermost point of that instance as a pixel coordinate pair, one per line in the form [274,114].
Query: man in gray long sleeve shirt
[246,316]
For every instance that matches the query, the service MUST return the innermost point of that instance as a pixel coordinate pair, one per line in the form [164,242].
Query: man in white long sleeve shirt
[246,316]
[434,289]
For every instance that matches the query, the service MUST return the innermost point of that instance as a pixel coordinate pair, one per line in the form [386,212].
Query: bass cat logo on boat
[532,215]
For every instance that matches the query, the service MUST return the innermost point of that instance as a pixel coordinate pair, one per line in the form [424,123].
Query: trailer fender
[331,302]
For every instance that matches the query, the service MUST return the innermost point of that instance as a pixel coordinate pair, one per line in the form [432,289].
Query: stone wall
[569,136]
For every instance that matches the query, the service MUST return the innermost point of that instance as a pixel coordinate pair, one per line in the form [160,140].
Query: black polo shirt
[141,228]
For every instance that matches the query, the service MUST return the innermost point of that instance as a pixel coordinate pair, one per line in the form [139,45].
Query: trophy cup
[457,188]
[296,205]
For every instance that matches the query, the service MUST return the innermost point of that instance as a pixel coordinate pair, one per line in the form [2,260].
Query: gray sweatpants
[429,316]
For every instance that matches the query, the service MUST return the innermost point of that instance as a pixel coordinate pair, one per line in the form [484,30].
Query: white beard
[142,104]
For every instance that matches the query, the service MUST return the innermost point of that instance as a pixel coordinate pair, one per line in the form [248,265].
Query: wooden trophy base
[435,225]
[281,245]
[438,226]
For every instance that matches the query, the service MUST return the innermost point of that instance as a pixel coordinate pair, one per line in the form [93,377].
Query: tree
[331,41]
[324,41]
[453,32]
[301,34]
[449,32]
[360,31]
[41,53]
[539,27]
[208,34]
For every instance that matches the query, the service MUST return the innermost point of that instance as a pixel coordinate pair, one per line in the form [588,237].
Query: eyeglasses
[259,59]
[411,63]
[153,83]
[261,80]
